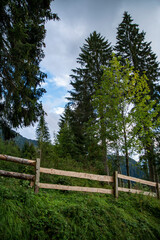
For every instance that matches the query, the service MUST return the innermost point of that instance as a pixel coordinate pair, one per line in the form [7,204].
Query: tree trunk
[104,155]
[126,149]
[103,141]
[118,167]
[151,160]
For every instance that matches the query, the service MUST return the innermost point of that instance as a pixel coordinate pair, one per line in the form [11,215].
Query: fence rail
[113,179]
[18,160]
[75,188]
[89,176]
[153,184]
[17,175]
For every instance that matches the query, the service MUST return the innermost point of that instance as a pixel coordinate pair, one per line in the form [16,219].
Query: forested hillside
[112,113]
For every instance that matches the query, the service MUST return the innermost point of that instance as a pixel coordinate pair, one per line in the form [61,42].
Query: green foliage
[42,132]
[131,45]
[9,148]
[65,142]
[124,112]
[44,142]
[55,215]
[29,151]
[95,52]
[22,33]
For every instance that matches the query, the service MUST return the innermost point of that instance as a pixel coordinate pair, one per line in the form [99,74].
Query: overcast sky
[65,37]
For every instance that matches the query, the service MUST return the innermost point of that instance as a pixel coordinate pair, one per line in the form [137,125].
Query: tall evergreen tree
[131,44]
[95,52]
[65,139]
[42,131]
[43,138]
[22,33]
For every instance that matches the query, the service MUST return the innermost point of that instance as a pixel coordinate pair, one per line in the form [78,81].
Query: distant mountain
[20,141]
[134,167]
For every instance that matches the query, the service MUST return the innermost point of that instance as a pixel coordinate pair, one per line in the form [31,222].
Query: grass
[54,214]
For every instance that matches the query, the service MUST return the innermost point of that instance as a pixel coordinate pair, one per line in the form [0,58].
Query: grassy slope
[70,215]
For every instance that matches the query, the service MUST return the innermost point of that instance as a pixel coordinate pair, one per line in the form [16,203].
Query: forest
[112,113]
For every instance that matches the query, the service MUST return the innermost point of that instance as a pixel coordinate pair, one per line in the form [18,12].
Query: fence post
[116,184]
[37,176]
[157,190]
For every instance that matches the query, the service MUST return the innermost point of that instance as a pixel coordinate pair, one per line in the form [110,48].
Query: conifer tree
[43,138]
[42,131]
[65,139]
[95,52]
[22,33]
[131,45]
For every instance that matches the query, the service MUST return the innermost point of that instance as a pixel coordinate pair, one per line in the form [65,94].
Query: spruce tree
[131,44]
[42,131]
[65,139]
[43,138]
[95,53]
[22,33]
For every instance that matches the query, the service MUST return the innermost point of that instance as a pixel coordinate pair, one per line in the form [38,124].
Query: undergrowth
[70,215]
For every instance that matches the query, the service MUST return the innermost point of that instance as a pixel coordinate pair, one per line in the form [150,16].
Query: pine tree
[42,131]
[65,139]
[95,53]
[43,138]
[22,33]
[131,45]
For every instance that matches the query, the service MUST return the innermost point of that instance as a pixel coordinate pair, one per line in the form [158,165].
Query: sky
[65,37]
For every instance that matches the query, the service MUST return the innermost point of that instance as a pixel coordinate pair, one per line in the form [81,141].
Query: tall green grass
[70,215]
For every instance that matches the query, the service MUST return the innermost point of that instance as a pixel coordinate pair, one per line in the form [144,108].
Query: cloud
[61,81]
[65,37]
[59,110]
[44,84]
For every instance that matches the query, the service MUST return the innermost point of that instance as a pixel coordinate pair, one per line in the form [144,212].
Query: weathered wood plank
[116,184]
[77,174]
[136,191]
[17,175]
[158,190]
[137,180]
[18,160]
[75,188]
[37,176]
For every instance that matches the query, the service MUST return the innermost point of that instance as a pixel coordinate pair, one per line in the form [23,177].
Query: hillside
[54,214]
[65,215]
[19,139]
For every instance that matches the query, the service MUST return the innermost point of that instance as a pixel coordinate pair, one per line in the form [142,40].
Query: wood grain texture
[75,188]
[17,175]
[116,184]
[137,180]
[77,174]
[37,176]
[136,191]
[18,160]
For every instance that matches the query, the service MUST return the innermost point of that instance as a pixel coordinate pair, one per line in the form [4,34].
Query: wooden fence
[35,179]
